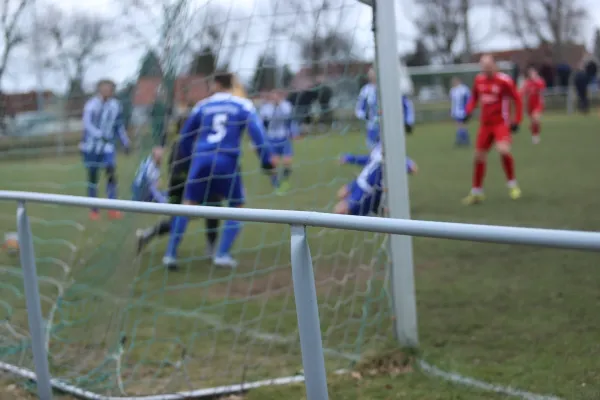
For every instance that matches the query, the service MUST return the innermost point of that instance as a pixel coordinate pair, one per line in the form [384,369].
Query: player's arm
[290,124]
[257,136]
[361,104]
[472,103]
[88,125]
[516,96]
[355,159]
[120,129]
[157,194]
[188,134]
[409,114]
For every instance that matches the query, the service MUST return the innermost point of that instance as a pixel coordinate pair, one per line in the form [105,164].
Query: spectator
[547,73]
[581,87]
[563,71]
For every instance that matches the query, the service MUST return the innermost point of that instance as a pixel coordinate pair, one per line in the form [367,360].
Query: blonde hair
[238,88]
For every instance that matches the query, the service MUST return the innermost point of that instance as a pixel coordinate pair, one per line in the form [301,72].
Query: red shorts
[535,107]
[488,134]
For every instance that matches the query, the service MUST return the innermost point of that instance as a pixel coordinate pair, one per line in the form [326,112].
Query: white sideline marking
[474,383]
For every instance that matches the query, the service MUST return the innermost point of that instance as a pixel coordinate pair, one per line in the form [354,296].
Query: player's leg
[536,127]
[195,191]
[111,183]
[90,163]
[286,162]
[503,140]
[483,144]
[462,134]
[212,228]
[162,227]
[232,188]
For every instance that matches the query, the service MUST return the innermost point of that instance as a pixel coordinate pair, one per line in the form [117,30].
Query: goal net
[120,324]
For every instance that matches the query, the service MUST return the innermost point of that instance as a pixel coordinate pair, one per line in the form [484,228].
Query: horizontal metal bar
[564,239]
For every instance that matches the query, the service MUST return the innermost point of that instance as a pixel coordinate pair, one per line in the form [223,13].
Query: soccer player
[102,125]
[278,119]
[459,97]
[212,136]
[532,93]
[149,172]
[147,178]
[368,110]
[491,88]
[363,195]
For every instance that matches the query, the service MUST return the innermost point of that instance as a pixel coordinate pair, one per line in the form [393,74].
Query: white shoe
[535,139]
[169,263]
[225,261]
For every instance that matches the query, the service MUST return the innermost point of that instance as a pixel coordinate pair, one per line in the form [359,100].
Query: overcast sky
[123,61]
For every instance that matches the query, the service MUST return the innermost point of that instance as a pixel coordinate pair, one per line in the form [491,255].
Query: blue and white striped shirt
[459,97]
[278,120]
[368,110]
[102,125]
[145,183]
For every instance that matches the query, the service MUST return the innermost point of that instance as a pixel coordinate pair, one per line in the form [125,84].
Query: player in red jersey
[534,99]
[491,88]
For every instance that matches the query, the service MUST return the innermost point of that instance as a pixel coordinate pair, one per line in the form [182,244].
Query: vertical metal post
[396,179]
[307,310]
[34,309]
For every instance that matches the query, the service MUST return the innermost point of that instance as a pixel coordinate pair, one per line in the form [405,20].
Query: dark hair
[224,79]
[102,82]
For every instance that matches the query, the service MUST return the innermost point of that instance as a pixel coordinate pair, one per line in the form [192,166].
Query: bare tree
[321,29]
[536,22]
[185,30]
[74,42]
[11,29]
[446,27]
[440,26]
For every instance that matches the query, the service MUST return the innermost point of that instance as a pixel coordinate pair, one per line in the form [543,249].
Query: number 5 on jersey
[219,128]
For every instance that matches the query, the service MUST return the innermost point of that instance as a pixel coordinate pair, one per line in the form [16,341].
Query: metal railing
[302,268]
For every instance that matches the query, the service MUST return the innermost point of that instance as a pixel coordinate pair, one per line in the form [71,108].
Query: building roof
[188,89]
[573,54]
[306,78]
[16,103]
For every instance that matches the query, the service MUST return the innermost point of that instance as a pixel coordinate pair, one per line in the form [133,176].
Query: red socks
[478,174]
[535,128]
[508,163]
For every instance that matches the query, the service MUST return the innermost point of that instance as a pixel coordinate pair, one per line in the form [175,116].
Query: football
[11,243]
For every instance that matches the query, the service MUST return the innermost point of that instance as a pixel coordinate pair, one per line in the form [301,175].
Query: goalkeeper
[178,171]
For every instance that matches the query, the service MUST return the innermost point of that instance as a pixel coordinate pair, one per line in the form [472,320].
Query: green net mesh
[121,324]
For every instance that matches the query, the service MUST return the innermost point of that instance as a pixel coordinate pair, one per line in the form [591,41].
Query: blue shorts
[282,148]
[362,203]
[372,138]
[99,160]
[216,177]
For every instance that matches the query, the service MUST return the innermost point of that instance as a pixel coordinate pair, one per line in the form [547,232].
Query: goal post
[401,268]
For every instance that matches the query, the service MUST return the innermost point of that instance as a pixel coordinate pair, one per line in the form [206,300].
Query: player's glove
[408,129]
[514,128]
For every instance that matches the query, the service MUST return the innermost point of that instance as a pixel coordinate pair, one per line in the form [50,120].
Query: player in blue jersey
[363,195]
[278,118]
[102,127]
[367,110]
[459,97]
[212,137]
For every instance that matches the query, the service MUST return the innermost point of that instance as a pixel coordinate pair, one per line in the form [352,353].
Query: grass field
[510,315]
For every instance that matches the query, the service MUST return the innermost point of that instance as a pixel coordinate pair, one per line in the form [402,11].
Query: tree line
[184,36]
